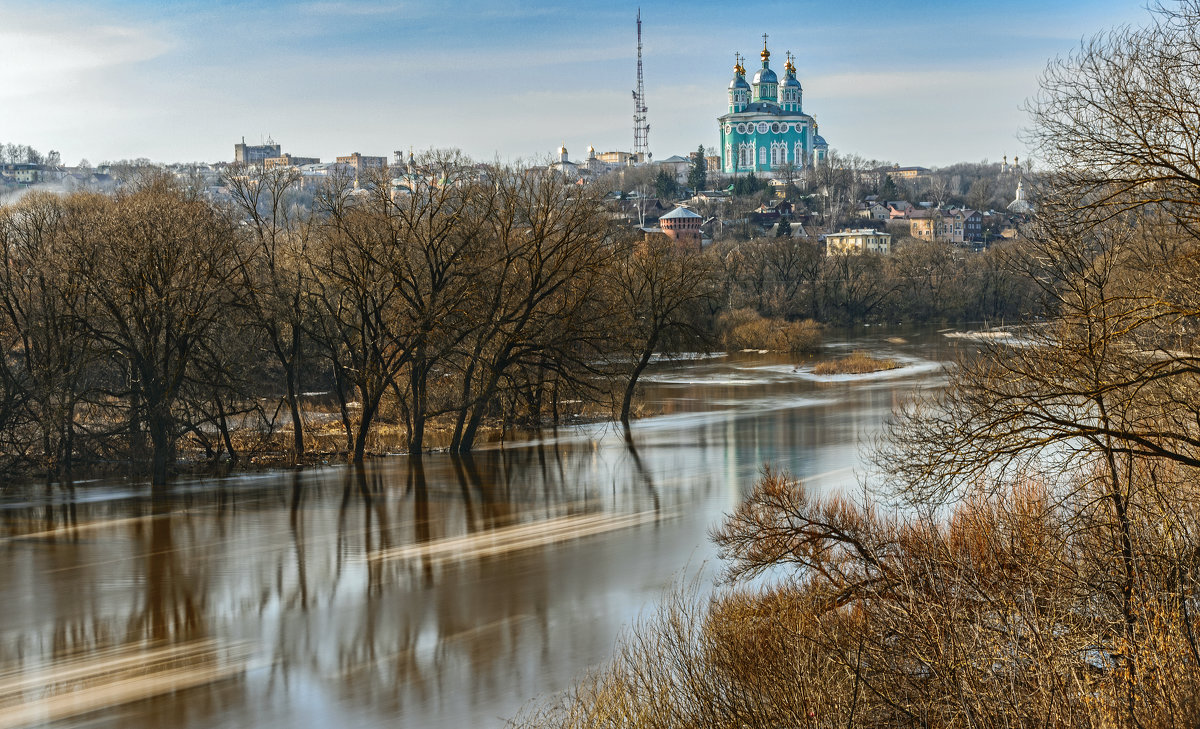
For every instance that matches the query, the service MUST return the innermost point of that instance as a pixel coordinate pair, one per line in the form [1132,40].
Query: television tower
[641,129]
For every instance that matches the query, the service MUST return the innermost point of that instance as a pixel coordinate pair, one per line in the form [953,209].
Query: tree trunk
[370,405]
[68,444]
[223,424]
[137,436]
[416,432]
[339,388]
[292,374]
[467,442]
[465,407]
[297,424]
[159,424]
[627,403]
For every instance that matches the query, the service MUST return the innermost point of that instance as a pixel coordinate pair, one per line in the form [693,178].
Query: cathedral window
[778,153]
[762,155]
[745,155]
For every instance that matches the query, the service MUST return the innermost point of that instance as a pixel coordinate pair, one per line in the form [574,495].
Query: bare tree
[158,273]
[45,311]
[359,299]
[275,281]
[435,224]
[661,292]
[1115,121]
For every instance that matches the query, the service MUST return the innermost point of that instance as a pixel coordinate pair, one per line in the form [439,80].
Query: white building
[863,240]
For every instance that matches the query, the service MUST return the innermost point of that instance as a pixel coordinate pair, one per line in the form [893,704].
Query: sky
[915,83]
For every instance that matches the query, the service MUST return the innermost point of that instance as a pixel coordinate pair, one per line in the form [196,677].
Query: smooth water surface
[434,592]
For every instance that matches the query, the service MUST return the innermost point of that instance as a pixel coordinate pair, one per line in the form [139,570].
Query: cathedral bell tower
[766,83]
[739,90]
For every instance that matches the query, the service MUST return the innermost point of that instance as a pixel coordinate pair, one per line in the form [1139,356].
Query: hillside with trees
[1033,555]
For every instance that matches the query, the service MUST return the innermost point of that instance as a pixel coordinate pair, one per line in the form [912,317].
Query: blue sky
[927,83]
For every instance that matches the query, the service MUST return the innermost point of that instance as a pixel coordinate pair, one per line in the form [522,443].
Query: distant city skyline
[916,83]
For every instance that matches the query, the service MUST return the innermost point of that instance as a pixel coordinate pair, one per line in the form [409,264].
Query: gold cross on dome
[764,41]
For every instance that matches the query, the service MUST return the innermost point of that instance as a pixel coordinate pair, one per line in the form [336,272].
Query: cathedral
[765,127]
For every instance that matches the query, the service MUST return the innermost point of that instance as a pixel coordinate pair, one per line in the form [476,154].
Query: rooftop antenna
[641,129]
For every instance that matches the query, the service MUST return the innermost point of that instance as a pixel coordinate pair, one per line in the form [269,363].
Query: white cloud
[903,84]
[44,57]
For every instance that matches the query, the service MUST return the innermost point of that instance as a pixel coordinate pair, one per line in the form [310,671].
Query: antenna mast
[641,129]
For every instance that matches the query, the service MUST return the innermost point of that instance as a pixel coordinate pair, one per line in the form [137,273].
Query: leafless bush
[747,329]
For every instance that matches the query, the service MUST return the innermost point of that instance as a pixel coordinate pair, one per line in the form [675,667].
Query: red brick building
[682,226]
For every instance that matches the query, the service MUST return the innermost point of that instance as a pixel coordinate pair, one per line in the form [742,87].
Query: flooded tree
[436,222]
[539,302]
[482,296]
[662,291]
[276,284]
[52,375]
[159,273]
[355,268]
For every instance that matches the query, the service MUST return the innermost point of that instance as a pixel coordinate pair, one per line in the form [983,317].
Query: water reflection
[434,591]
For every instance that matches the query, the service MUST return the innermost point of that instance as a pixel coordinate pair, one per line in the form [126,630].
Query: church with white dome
[765,127]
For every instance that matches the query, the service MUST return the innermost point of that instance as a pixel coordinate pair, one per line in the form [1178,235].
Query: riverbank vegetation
[155,327]
[921,282]
[151,325]
[1032,554]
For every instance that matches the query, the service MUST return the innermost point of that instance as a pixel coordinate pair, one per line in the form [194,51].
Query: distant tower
[682,226]
[641,129]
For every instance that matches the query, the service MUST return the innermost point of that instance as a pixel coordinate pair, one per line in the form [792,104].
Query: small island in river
[856,363]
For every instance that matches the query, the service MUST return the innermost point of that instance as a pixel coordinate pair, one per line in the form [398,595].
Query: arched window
[728,158]
[778,153]
[798,155]
[745,155]
[762,155]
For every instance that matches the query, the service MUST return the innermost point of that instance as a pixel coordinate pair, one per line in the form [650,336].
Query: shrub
[747,329]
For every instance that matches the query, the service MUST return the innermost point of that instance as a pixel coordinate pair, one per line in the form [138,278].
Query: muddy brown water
[444,592]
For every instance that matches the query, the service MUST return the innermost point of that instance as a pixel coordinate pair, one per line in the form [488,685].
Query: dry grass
[747,329]
[857,363]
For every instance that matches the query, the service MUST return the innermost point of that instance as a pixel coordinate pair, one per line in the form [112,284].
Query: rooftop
[858,231]
[679,212]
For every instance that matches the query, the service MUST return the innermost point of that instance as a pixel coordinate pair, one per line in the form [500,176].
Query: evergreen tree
[748,185]
[887,189]
[665,185]
[698,175]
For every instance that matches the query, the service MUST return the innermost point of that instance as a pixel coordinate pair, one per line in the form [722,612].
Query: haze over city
[927,83]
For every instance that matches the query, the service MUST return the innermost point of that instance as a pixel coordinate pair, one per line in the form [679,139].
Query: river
[444,592]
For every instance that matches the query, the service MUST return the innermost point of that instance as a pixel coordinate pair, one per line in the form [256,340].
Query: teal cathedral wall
[765,126]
